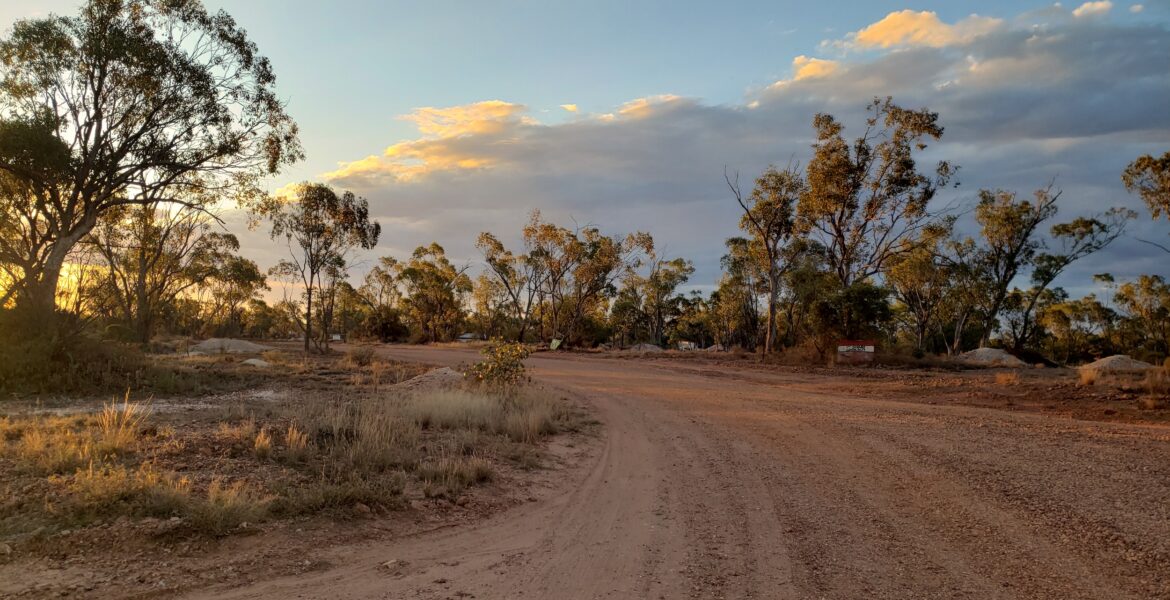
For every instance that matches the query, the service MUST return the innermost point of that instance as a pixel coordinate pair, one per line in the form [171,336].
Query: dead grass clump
[359,356]
[227,506]
[262,446]
[1088,377]
[120,424]
[522,415]
[296,444]
[104,490]
[241,432]
[1007,378]
[450,476]
[343,493]
[48,447]
[1157,384]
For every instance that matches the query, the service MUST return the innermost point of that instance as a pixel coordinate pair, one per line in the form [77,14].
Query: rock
[362,508]
[258,363]
[648,348]
[5,549]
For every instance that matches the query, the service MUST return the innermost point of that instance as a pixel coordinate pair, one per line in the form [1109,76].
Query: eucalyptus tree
[866,198]
[130,102]
[769,218]
[321,228]
[1150,178]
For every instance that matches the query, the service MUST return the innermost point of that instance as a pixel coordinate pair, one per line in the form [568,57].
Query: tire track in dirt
[737,487]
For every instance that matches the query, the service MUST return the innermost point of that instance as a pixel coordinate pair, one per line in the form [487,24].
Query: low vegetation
[343,449]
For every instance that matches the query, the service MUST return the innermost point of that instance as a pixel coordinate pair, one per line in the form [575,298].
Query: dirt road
[729,484]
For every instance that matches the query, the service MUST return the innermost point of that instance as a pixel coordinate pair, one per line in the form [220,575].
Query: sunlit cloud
[570,107]
[1022,104]
[804,67]
[1092,9]
[912,28]
[1136,8]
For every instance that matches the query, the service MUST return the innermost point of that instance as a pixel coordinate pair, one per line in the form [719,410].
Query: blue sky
[668,93]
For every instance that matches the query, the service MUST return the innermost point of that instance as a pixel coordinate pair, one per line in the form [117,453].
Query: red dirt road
[735,484]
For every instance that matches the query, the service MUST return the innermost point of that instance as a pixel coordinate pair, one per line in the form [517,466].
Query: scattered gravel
[1116,364]
[991,357]
[435,378]
[227,346]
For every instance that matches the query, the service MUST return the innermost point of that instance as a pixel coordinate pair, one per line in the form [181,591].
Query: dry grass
[228,506]
[1007,378]
[296,444]
[449,476]
[1087,377]
[262,446]
[359,356]
[335,451]
[120,424]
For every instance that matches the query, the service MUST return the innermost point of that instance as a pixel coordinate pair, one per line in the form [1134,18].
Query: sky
[458,117]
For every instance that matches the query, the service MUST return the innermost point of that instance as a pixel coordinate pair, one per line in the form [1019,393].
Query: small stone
[362,508]
[5,549]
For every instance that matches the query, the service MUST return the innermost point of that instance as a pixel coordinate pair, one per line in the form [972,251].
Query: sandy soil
[726,483]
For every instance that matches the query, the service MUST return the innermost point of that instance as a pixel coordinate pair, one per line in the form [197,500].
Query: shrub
[503,364]
[1087,376]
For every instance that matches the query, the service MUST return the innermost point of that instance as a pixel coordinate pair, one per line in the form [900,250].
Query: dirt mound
[1117,363]
[226,346]
[435,378]
[716,348]
[991,357]
[645,348]
[257,362]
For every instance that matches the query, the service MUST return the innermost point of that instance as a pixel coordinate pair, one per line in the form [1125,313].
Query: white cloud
[1093,9]
[1136,8]
[570,107]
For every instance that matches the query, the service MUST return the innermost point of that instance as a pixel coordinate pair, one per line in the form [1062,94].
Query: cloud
[1021,105]
[804,67]
[910,28]
[1136,8]
[1092,9]
[452,139]
[570,107]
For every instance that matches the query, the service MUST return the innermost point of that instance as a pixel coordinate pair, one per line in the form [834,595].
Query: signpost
[855,352]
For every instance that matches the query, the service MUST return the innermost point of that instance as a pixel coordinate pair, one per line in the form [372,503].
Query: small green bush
[503,365]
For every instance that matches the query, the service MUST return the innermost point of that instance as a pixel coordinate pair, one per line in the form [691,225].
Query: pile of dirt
[991,357]
[226,346]
[1118,363]
[257,362]
[645,348]
[435,378]
[716,348]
